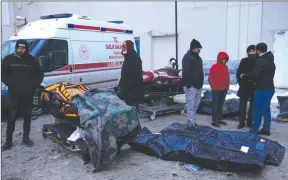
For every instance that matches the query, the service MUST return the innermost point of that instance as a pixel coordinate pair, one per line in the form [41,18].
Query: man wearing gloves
[193,77]
[219,80]
[22,74]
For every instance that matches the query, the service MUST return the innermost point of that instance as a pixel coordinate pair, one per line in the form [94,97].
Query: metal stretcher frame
[162,95]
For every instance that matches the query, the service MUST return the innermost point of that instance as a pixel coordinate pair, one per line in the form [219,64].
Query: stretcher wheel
[153,116]
[182,112]
[44,135]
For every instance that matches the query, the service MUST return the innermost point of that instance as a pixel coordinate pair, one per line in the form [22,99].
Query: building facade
[219,26]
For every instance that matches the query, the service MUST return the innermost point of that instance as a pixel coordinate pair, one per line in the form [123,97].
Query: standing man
[22,74]
[131,82]
[193,77]
[246,87]
[263,75]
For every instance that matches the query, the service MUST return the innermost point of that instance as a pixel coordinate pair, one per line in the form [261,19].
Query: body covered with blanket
[104,118]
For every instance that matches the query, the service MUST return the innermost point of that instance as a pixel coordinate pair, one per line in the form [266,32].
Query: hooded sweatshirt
[264,72]
[22,74]
[219,78]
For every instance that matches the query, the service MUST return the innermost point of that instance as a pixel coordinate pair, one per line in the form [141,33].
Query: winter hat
[221,56]
[251,47]
[22,43]
[195,44]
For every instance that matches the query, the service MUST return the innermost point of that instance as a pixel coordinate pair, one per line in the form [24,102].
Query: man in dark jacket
[246,87]
[131,82]
[193,77]
[22,74]
[263,75]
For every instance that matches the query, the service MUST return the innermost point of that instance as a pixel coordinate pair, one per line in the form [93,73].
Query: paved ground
[47,160]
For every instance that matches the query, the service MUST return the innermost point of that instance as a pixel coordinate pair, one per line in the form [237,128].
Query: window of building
[5,13]
[19,5]
[137,44]
[57,52]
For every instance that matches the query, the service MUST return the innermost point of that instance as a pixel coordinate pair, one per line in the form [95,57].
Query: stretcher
[159,99]
[64,126]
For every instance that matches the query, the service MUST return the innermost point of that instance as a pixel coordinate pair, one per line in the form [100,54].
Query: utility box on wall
[280,49]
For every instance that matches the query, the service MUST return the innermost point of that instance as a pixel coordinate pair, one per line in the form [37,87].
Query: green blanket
[105,118]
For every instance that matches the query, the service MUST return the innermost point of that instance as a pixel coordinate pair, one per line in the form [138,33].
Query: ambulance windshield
[35,46]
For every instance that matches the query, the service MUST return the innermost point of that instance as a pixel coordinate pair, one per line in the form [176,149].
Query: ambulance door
[57,51]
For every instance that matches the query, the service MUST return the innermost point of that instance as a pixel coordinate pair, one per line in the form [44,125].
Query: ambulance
[75,49]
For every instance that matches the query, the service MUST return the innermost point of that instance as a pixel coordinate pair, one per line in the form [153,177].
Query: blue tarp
[210,148]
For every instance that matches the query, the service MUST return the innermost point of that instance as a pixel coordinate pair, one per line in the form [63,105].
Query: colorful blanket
[64,91]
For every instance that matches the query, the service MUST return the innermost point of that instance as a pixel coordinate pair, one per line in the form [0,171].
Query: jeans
[193,98]
[262,101]
[218,99]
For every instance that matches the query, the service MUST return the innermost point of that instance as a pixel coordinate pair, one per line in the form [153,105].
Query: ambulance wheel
[153,116]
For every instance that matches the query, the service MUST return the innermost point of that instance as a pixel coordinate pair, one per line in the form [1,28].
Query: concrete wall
[219,26]
[7,21]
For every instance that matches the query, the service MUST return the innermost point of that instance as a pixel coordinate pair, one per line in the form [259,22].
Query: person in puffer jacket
[219,80]
[22,74]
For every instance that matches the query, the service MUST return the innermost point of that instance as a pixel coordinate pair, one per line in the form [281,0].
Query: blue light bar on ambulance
[116,22]
[56,16]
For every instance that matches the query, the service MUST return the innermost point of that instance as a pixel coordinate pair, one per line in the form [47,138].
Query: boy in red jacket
[219,80]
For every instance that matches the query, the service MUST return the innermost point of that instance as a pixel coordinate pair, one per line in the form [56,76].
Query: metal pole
[176,33]
[25,21]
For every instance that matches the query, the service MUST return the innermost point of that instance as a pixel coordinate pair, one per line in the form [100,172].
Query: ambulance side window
[57,52]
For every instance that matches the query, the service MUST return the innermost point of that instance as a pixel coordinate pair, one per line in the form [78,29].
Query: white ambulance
[75,49]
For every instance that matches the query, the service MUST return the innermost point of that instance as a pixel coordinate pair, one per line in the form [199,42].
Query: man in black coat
[131,82]
[193,77]
[22,74]
[246,87]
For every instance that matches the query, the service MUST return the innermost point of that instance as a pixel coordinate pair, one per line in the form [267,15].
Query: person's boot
[26,140]
[221,122]
[241,126]
[264,132]
[8,144]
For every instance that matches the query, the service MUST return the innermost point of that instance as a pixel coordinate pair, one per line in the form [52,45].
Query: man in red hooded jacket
[219,80]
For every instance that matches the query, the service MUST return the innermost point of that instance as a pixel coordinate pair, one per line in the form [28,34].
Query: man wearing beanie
[193,77]
[246,87]
[219,80]
[22,74]
[263,75]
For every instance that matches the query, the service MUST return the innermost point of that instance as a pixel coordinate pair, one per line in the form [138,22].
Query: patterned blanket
[161,76]
[105,118]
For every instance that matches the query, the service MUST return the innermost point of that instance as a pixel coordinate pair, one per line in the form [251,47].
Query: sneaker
[215,124]
[191,123]
[6,146]
[264,132]
[221,122]
[241,126]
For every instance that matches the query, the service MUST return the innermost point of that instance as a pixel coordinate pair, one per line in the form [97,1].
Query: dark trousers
[218,99]
[243,107]
[262,101]
[15,104]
